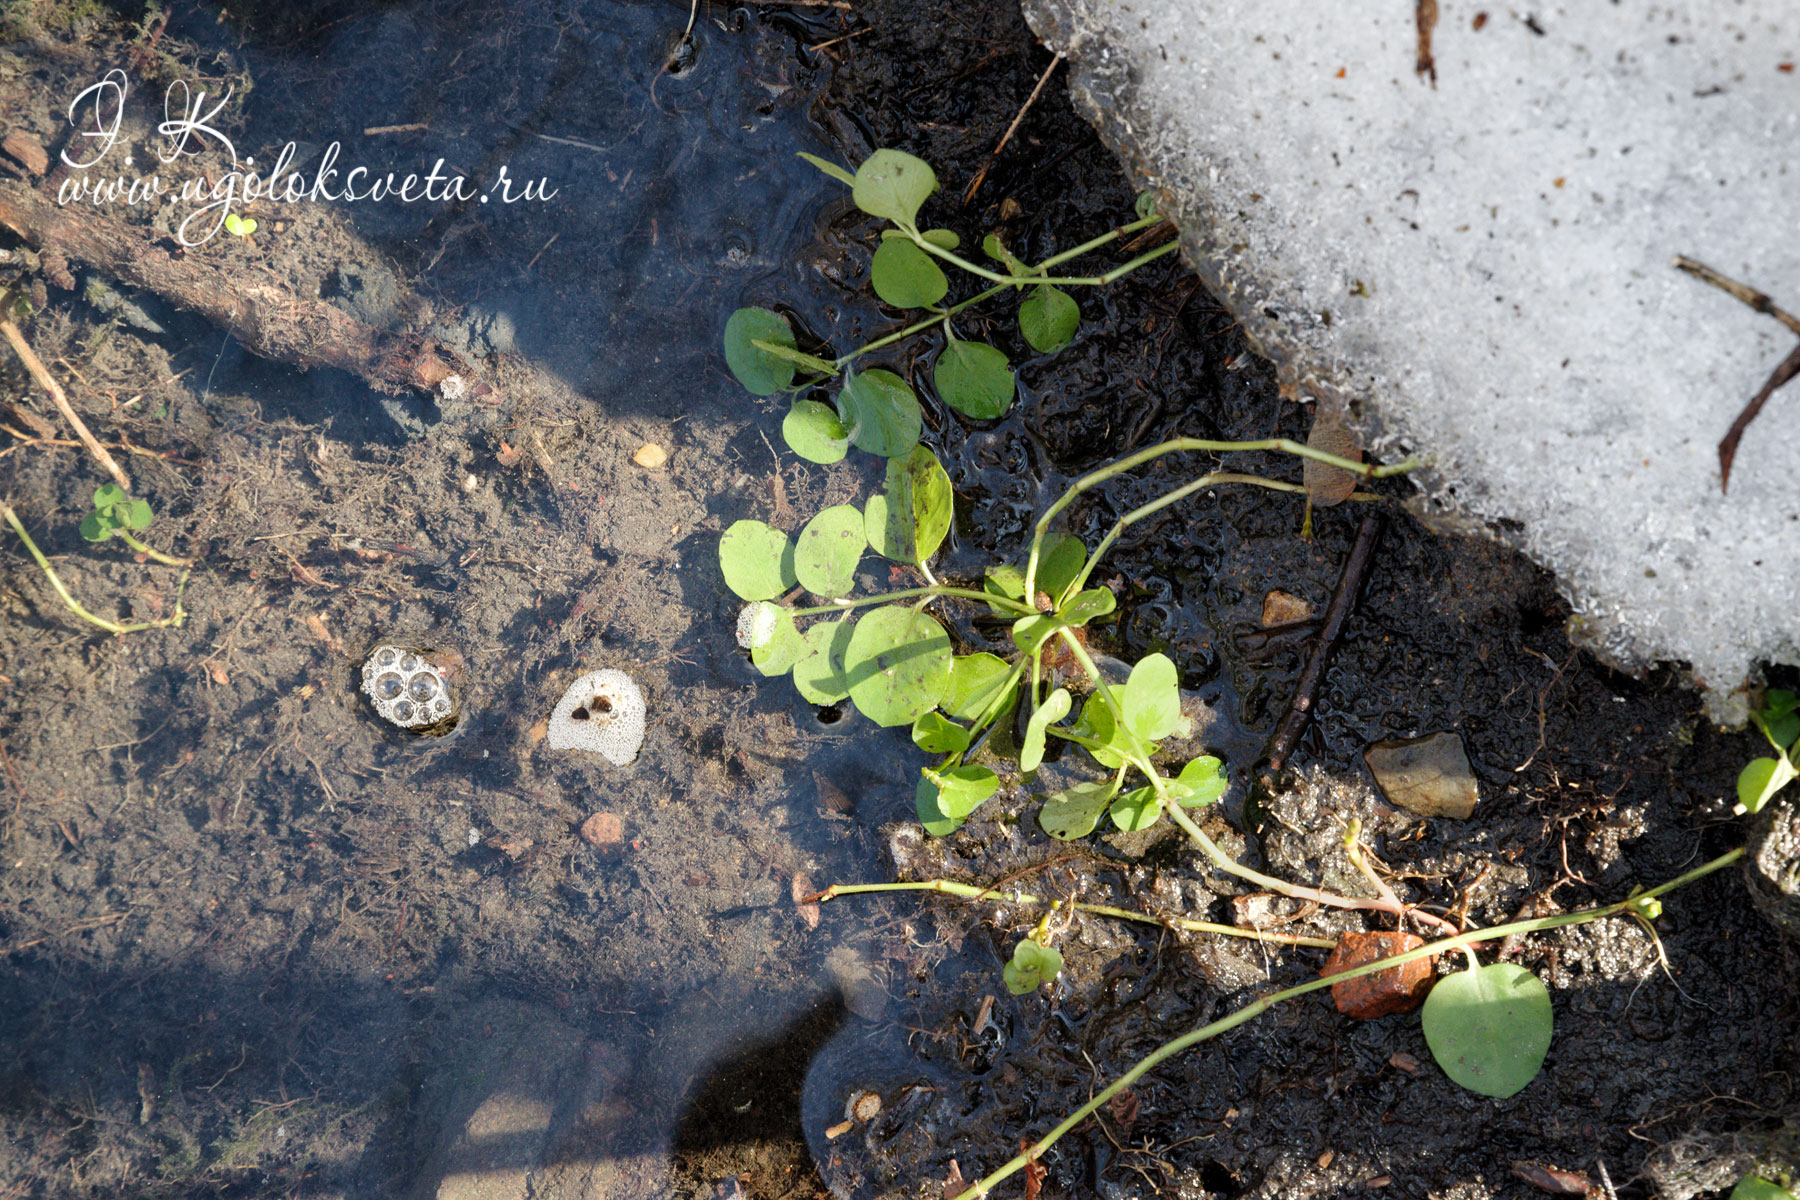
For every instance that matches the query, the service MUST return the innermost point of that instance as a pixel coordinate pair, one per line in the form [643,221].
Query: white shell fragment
[602,713]
[405,689]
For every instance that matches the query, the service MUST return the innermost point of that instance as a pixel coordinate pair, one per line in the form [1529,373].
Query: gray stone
[1429,775]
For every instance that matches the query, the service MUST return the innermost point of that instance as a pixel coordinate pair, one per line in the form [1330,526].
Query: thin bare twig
[1784,371]
[45,380]
[981,175]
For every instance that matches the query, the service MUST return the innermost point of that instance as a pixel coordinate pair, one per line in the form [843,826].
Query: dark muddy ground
[254,945]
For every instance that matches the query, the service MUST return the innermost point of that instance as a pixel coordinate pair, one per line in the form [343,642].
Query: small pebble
[650,456]
[1284,608]
[1395,990]
[603,829]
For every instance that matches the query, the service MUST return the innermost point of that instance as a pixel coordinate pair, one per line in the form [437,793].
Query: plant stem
[1101,474]
[1257,1007]
[969,891]
[167,560]
[1006,602]
[1211,848]
[113,627]
[920,326]
[1032,280]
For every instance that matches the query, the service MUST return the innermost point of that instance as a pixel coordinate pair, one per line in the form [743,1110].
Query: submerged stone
[1429,775]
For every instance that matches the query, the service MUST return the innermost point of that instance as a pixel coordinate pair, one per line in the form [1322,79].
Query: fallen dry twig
[1784,371]
[47,381]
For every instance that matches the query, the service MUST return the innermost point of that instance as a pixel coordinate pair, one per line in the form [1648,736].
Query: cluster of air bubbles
[756,624]
[406,689]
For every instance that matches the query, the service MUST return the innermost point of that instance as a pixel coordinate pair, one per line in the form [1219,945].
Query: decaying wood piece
[266,318]
[41,374]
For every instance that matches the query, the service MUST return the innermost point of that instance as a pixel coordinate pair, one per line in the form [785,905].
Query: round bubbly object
[405,688]
[602,713]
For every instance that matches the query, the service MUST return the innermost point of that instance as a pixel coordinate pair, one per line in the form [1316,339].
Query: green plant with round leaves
[1779,721]
[116,515]
[1489,1027]
[877,410]
[1033,965]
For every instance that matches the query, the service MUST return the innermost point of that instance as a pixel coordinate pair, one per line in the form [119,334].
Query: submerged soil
[252,943]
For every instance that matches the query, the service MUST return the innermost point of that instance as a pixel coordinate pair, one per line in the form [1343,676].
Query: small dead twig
[994,155]
[1786,370]
[45,380]
[1425,16]
[1337,613]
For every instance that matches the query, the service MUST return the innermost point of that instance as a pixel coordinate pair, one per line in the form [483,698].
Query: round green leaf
[95,527]
[934,734]
[1073,813]
[107,495]
[974,379]
[781,648]
[1086,605]
[136,514]
[1031,965]
[976,680]
[927,803]
[898,664]
[819,675]
[1754,1187]
[904,275]
[1048,318]
[1054,708]
[1199,782]
[761,373]
[1489,1029]
[758,561]
[1760,779]
[1136,810]
[908,521]
[1059,562]
[880,412]
[813,431]
[1151,699]
[893,184]
[961,790]
[828,549]
[944,239]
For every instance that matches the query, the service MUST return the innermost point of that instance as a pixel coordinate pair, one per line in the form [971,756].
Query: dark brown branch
[1790,367]
[1337,613]
[265,317]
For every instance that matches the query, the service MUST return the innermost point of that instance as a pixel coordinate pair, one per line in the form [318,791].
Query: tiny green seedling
[75,606]
[116,515]
[876,410]
[238,226]
[1762,778]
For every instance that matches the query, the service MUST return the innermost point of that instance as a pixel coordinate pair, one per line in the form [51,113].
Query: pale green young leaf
[819,674]
[898,664]
[928,804]
[905,276]
[1086,605]
[974,379]
[784,645]
[1073,812]
[813,431]
[1048,318]
[1059,562]
[880,412]
[1054,708]
[761,373]
[1032,965]
[961,790]
[757,561]
[1489,1028]
[1151,699]
[943,239]
[935,734]
[830,168]
[893,184]
[976,682]
[1135,810]
[827,551]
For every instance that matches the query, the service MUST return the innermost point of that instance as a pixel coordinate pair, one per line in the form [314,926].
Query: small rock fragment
[603,829]
[800,889]
[1401,1061]
[1284,608]
[1772,867]
[1429,775]
[1395,990]
[650,456]
[863,1105]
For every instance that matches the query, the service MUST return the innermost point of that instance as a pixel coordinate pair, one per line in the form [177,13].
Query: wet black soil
[253,944]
